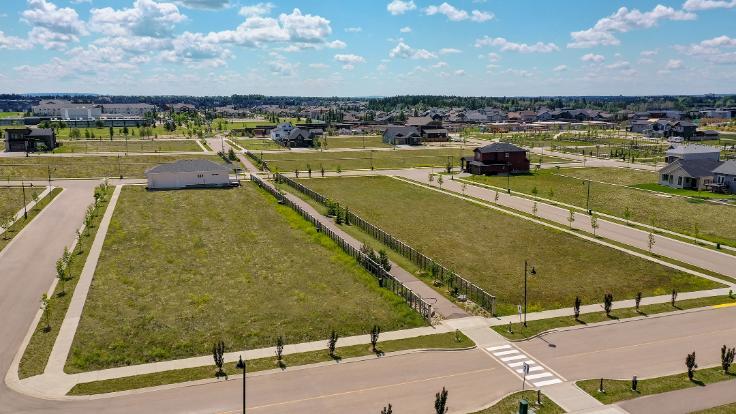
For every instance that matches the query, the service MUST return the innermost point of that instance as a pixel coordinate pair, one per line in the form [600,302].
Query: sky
[368,47]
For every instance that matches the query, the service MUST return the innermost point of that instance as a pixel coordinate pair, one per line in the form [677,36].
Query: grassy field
[724,409]
[10,114]
[618,390]
[42,341]
[437,341]
[11,199]
[368,141]
[518,331]
[220,264]
[39,167]
[685,192]
[258,144]
[489,247]
[510,404]
[18,225]
[684,215]
[130,146]
[354,160]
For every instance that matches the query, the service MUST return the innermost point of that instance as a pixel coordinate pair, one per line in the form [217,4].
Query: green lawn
[130,146]
[437,341]
[258,144]
[489,247]
[220,264]
[11,199]
[510,404]
[39,167]
[11,114]
[367,141]
[620,390]
[518,331]
[8,208]
[724,409]
[684,215]
[685,192]
[37,352]
[354,160]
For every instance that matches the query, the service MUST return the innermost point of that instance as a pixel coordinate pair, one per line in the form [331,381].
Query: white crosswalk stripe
[512,357]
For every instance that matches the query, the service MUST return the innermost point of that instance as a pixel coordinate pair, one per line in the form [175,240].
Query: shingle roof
[499,147]
[400,131]
[692,149]
[419,120]
[727,168]
[40,132]
[693,168]
[183,166]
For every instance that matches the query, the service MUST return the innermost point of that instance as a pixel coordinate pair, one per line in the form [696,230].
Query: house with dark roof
[402,135]
[497,158]
[188,174]
[724,177]
[694,174]
[29,139]
[430,128]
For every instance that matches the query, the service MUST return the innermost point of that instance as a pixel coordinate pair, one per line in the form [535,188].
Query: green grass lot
[258,144]
[130,146]
[684,215]
[620,390]
[724,409]
[220,264]
[11,199]
[510,404]
[355,160]
[11,114]
[133,132]
[647,154]
[367,141]
[538,326]
[437,341]
[9,209]
[489,247]
[38,167]
[684,192]
[222,124]
[37,352]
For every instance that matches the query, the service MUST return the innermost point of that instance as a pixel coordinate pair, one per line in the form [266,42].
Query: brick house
[497,158]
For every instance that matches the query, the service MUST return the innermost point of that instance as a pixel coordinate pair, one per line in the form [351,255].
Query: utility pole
[25,208]
[241,365]
[532,272]
[587,203]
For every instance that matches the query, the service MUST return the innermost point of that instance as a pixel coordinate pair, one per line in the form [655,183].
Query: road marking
[518,364]
[723,305]
[514,358]
[548,382]
[531,369]
[502,353]
[498,348]
[537,376]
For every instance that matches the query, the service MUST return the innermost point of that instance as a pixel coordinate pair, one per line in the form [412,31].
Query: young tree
[535,191]
[463,187]
[551,194]
[651,242]
[387,410]
[691,365]
[727,356]
[383,260]
[5,223]
[440,181]
[674,297]
[440,402]
[637,300]
[332,343]
[79,241]
[535,208]
[576,307]
[218,352]
[627,215]
[571,217]
[46,309]
[430,178]
[279,348]
[594,223]
[375,331]
[608,303]
[339,170]
[61,275]
[322,170]
[495,197]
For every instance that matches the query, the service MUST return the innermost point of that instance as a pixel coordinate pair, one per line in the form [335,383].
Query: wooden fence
[385,279]
[455,282]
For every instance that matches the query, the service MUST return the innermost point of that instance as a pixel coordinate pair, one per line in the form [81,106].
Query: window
[679,180]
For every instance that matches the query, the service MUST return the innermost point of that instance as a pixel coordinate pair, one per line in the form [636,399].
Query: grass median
[620,390]
[535,327]
[67,147]
[438,341]
[510,404]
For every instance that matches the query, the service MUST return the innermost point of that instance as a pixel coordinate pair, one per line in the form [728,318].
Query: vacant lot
[39,167]
[220,264]
[11,200]
[258,144]
[130,146]
[489,247]
[689,216]
[367,141]
[354,160]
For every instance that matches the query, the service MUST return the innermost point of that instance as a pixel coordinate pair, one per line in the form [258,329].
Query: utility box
[523,407]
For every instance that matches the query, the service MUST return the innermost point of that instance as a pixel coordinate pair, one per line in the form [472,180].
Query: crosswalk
[538,375]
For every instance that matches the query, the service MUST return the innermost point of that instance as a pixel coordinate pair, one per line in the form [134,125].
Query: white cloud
[193,49]
[592,57]
[145,18]
[448,51]
[715,50]
[459,72]
[619,65]
[405,29]
[203,4]
[522,73]
[440,65]
[560,68]
[622,21]
[259,9]
[648,53]
[12,42]
[319,66]
[673,64]
[354,29]
[53,27]
[337,44]
[457,15]
[404,51]
[349,58]
[507,46]
[397,7]
[283,68]
[695,5]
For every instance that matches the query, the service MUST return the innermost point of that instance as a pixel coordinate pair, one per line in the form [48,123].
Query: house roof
[185,166]
[40,132]
[692,149]
[727,168]
[401,131]
[296,132]
[435,131]
[499,147]
[419,120]
[693,168]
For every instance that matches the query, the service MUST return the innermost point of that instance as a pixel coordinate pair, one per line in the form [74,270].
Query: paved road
[647,348]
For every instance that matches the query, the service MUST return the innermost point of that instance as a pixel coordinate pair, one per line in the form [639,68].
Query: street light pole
[25,208]
[241,365]
[533,272]
[587,203]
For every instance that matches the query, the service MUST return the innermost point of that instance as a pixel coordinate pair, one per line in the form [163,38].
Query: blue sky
[366,48]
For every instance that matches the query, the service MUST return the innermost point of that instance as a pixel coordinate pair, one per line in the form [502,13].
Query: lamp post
[25,207]
[532,272]
[508,178]
[587,203]
[241,365]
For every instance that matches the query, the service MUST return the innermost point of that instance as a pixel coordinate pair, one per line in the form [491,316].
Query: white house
[188,173]
[282,131]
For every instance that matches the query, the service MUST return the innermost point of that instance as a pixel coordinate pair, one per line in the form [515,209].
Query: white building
[282,131]
[188,173]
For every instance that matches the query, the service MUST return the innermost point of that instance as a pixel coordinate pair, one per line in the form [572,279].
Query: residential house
[402,135]
[692,152]
[281,131]
[188,174]
[429,128]
[724,177]
[496,158]
[29,139]
[299,138]
[690,167]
